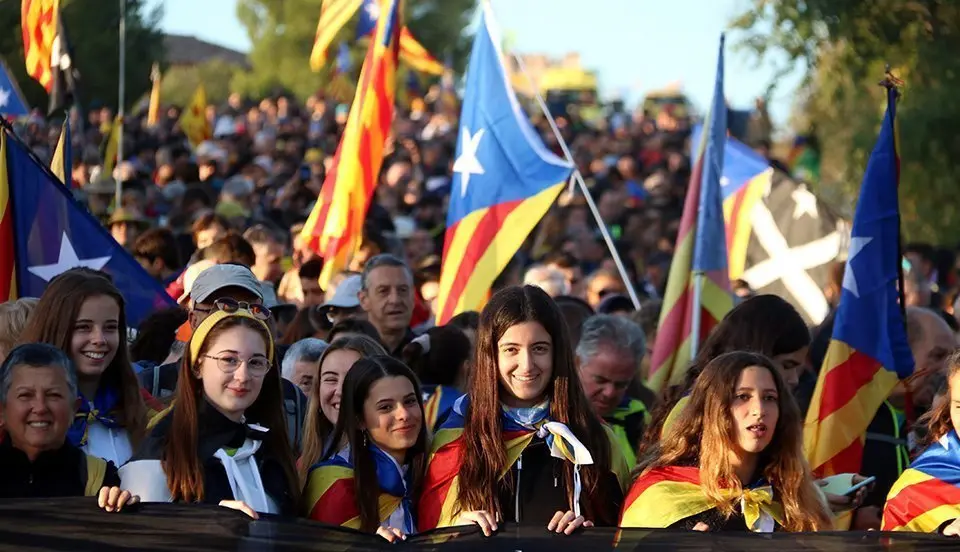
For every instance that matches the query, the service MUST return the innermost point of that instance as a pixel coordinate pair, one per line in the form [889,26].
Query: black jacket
[55,473]
[216,431]
[542,487]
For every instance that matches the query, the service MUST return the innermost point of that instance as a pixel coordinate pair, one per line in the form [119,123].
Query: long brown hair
[937,419]
[482,435]
[316,426]
[53,321]
[704,434]
[356,387]
[764,324]
[180,458]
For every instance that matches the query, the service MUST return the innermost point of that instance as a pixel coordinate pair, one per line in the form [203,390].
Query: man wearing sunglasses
[227,287]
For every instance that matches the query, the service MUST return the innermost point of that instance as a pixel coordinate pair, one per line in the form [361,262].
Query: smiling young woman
[733,460]
[225,442]
[370,484]
[537,452]
[82,313]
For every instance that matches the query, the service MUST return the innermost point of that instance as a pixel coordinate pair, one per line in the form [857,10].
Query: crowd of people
[265,393]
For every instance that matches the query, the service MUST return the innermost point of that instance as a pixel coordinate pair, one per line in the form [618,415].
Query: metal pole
[696,314]
[583,187]
[120,98]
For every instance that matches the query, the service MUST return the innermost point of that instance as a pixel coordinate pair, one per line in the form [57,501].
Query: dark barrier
[77,524]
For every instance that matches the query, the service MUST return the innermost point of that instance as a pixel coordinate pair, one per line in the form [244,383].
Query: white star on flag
[67,259]
[373,10]
[468,163]
[805,202]
[849,277]
[4,96]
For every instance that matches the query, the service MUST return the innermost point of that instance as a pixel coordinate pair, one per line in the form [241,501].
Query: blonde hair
[13,318]
[704,434]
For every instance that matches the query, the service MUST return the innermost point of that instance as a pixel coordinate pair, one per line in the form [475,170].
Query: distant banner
[77,524]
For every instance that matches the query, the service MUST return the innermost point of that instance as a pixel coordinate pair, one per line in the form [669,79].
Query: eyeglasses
[231,306]
[257,366]
[336,314]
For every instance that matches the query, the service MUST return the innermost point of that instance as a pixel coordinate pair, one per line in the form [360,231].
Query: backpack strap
[96,471]
[155,391]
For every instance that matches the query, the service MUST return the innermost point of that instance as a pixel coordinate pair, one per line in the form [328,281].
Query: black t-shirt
[55,473]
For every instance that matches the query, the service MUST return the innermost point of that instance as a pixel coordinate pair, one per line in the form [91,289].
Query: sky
[634,45]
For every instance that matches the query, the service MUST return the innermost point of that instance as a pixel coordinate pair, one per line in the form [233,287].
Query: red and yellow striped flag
[416,56]
[39,26]
[334,14]
[335,226]
[8,258]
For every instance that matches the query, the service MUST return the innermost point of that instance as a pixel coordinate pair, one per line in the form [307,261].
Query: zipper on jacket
[516,505]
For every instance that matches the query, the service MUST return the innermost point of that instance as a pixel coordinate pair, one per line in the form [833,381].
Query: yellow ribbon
[755,501]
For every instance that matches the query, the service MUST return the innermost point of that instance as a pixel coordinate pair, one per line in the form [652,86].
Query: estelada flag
[334,14]
[927,494]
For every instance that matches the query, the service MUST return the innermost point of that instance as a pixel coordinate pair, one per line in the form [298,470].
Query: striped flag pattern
[8,257]
[701,250]
[334,14]
[416,56]
[335,225]
[868,352]
[39,27]
[928,493]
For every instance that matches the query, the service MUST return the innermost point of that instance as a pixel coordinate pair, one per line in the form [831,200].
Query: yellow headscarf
[200,334]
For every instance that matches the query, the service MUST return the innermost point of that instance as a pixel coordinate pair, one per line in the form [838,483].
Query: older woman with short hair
[38,400]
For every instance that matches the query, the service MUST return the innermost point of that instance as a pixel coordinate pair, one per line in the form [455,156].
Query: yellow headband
[200,334]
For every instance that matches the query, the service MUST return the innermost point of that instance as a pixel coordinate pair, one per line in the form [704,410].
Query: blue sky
[634,45]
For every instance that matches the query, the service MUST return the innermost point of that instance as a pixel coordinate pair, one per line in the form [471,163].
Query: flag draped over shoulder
[504,181]
[698,288]
[193,120]
[868,352]
[439,404]
[663,496]
[334,14]
[44,232]
[928,493]
[335,226]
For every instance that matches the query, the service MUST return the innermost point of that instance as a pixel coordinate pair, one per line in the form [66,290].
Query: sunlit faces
[96,336]
[39,409]
[233,393]
[525,364]
[755,409]
[392,415]
[606,376]
[792,365]
[388,297]
[954,385]
[334,368]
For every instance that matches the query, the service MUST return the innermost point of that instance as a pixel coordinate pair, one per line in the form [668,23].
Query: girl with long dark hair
[733,460]
[81,313]
[370,486]
[524,444]
[225,442]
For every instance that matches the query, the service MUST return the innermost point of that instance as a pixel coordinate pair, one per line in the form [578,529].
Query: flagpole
[120,99]
[696,314]
[583,187]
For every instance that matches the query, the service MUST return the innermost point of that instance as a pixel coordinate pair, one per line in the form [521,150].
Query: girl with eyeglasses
[370,485]
[225,442]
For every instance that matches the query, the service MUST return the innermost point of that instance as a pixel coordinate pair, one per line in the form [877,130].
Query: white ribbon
[581,456]
[250,492]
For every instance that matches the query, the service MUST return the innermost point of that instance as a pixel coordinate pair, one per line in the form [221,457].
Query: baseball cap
[222,276]
[345,297]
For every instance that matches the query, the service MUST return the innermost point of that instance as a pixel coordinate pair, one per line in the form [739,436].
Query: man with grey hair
[301,363]
[549,279]
[609,354]
[386,295]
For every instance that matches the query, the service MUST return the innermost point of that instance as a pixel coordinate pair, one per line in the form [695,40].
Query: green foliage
[180,83]
[846,45]
[93,31]
[282,32]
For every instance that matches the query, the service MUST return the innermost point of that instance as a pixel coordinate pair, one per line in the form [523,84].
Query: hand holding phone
[866,482]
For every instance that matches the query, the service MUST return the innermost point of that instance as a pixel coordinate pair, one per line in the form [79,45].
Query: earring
[364,433]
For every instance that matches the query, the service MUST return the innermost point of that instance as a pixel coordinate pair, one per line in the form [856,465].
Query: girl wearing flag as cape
[926,497]
[370,484]
[524,445]
[225,441]
[81,313]
[733,459]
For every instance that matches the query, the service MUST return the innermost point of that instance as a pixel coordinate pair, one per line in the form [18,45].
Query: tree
[282,33]
[180,83]
[93,31]
[845,45]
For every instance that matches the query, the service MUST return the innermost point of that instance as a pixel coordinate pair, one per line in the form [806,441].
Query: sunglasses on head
[231,306]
